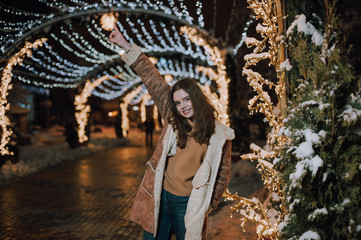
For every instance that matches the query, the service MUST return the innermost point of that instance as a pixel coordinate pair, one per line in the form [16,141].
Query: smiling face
[183,103]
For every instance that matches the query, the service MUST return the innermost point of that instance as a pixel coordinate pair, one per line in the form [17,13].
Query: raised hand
[116,37]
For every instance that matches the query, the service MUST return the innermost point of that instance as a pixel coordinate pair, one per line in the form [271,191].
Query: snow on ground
[49,148]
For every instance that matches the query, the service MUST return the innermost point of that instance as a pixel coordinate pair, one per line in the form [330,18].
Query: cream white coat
[203,182]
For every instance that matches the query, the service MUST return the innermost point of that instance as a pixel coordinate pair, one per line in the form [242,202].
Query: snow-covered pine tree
[321,165]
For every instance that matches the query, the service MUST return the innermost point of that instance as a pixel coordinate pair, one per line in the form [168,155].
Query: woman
[190,167]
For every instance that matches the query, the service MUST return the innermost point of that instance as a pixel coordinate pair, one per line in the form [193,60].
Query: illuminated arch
[145,99]
[196,34]
[220,76]
[6,86]
[82,109]
[124,108]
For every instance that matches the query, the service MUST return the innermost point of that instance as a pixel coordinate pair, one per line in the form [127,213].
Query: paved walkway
[85,199]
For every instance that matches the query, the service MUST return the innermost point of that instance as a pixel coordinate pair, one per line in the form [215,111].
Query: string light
[82,109]
[145,99]
[107,21]
[212,96]
[97,34]
[155,116]
[79,6]
[68,77]
[60,62]
[138,98]
[172,67]
[220,76]
[117,86]
[81,48]
[49,69]
[44,85]
[244,36]
[252,209]
[58,69]
[199,13]
[124,107]
[168,78]
[85,46]
[90,55]
[6,86]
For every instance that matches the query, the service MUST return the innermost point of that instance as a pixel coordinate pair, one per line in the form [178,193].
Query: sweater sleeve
[223,176]
[158,89]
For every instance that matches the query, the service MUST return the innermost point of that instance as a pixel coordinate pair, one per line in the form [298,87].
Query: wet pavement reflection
[89,198]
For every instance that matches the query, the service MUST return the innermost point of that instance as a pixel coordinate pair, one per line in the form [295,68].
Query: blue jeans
[171,217]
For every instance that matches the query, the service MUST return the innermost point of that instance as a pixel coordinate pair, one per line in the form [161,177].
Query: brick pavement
[85,199]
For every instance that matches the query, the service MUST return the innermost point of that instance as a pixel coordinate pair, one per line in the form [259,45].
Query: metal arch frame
[64,16]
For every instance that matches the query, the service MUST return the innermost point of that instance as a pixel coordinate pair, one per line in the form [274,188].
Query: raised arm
[116,37]
[145,69]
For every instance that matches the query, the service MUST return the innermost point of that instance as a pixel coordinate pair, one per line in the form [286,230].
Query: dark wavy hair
[204,114]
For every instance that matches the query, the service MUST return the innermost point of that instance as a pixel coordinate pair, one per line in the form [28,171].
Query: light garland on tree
[220,76]
[6,86]
[270,30]
[252,210]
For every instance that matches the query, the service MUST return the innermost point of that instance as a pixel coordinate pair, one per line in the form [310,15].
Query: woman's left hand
[117,37]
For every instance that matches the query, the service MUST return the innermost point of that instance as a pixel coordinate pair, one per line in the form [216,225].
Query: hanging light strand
[244,35]
[45,85]
[220,76]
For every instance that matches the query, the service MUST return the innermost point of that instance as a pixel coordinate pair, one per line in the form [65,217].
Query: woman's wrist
[126,47]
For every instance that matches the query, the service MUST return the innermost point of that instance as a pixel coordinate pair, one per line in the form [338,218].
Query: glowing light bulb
[107,20]
[168,78]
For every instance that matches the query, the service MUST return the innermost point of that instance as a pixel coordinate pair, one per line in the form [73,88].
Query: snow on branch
[350,115]
[307,28]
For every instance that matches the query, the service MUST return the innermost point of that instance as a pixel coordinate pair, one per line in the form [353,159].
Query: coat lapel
[168,141]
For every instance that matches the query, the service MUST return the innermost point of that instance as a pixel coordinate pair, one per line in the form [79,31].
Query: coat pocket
[149,177]
[202,176]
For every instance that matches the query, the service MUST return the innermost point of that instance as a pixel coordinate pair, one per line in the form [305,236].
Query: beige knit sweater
[182,167]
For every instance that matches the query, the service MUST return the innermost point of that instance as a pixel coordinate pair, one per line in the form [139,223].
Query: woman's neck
[192,124]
